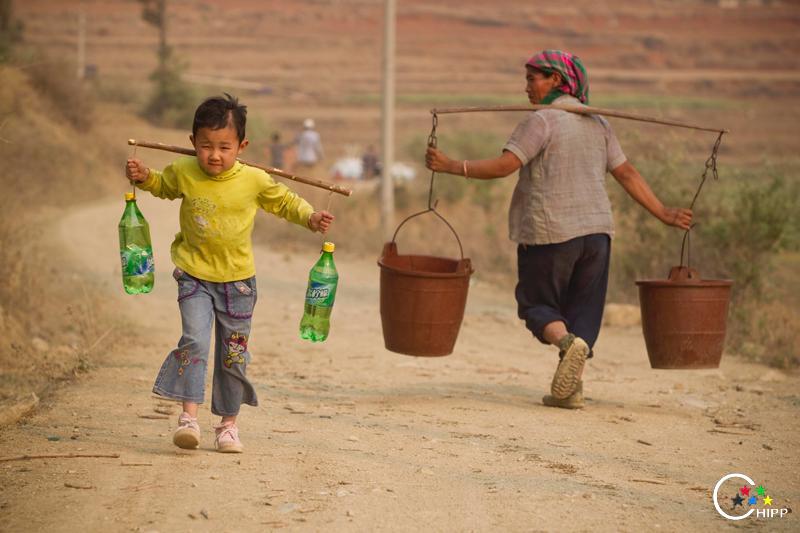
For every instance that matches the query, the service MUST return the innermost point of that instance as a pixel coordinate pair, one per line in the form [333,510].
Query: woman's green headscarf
[570,67]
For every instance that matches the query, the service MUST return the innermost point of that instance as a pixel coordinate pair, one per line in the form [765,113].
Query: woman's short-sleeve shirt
[561,190]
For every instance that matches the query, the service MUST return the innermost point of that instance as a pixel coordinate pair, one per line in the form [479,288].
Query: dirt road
[350,436]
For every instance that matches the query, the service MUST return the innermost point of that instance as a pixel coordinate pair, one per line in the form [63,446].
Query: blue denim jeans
[229,308]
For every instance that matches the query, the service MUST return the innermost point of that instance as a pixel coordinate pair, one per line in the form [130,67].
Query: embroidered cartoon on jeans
[237,345]
[183,357]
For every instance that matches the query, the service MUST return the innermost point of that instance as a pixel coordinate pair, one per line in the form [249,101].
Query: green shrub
[172,102]
[747,228]
[10,30]
[55,79]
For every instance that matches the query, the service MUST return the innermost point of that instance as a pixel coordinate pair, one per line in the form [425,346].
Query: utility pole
[163,49]
[81,42]
[387,120]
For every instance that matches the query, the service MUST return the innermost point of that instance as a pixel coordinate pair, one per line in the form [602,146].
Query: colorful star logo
[748,497]
[744,496]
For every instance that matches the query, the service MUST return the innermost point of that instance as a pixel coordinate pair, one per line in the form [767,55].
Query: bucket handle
[684,274]
[686,245]
[435,212]
[431,202]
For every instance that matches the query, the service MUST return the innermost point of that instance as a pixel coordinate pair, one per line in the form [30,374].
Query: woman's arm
[482,169]
[638,189]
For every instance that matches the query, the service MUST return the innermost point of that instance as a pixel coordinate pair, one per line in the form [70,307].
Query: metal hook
[432,204]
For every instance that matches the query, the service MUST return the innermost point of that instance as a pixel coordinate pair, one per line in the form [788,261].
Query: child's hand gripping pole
[321,220]
[127,172]
[136,171]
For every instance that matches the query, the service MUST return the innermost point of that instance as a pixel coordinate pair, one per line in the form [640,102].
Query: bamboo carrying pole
[276,171]
[582,110]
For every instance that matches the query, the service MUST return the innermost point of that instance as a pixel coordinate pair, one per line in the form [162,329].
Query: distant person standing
[371,167]
[276,151]
[309,146]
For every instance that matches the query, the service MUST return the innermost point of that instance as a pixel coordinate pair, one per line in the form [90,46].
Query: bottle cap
[129,196]
[328,247]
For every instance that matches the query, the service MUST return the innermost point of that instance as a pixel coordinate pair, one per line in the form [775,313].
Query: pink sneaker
[227,440]
[187,436]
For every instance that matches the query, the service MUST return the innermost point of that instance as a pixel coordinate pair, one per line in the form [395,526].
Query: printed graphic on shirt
[203,210]
[213,221]
[183,357]
[237,346]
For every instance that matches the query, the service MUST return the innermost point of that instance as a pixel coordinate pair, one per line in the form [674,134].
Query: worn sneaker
[567,375]
[574,401]
[187,436]
[227,440]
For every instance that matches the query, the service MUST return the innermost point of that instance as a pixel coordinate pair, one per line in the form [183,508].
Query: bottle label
[320,294]
[137,261]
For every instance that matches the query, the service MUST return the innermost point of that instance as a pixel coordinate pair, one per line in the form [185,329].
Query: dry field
[727,67]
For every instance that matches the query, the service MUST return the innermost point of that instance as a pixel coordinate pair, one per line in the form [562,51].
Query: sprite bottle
[321,291]
[135,250]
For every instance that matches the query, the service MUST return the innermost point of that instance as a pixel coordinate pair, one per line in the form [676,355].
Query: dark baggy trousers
[565,282]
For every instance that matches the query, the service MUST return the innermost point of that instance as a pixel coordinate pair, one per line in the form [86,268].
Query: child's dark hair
[217,112]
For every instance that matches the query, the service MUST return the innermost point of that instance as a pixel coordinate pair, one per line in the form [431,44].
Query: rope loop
[711,164]
[133,183]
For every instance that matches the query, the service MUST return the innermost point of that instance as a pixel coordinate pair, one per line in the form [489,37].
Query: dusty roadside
[352,437]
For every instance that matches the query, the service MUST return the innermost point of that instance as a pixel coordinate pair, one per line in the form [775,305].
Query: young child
[214,263]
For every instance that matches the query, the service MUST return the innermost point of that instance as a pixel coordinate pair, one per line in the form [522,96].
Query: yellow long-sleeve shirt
[217,215]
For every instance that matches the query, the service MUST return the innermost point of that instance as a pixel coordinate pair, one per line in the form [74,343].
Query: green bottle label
[320,294]
[137,261]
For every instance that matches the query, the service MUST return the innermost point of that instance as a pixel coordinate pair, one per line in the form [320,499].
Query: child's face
[217,150]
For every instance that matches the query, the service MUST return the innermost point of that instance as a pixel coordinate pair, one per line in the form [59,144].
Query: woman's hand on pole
[438,162]
[677,216]
[136,171]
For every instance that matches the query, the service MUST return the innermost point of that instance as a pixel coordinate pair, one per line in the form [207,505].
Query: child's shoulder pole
[276,171]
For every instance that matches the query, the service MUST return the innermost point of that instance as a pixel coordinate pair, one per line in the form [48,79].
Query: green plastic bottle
[320,294]
[135,250]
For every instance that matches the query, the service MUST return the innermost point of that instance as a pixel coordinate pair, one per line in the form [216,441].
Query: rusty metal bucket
[684,319]
[422,298]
